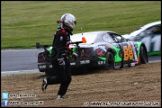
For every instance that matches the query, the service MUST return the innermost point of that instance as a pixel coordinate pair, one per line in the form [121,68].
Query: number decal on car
[153,43]
[128,53]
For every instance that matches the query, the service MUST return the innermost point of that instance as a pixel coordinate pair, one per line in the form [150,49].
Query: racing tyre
[110,61]
[50,73]
[143,55]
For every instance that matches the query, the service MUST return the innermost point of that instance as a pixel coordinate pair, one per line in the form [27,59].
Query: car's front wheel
[143,55]
[109,61]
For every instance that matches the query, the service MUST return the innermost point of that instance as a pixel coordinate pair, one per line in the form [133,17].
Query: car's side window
[107,38]
[156,30]
[151,31]
[117,38]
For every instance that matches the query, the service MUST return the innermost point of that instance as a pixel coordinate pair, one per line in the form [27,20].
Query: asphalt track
[25,60]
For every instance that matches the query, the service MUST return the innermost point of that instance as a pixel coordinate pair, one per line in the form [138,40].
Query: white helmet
[68,20]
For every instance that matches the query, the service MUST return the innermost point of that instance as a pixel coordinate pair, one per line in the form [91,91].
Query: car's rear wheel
[47,73]
[143,56]
[50,73]
[109,61]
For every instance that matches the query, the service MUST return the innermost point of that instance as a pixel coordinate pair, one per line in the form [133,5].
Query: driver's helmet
[68,20]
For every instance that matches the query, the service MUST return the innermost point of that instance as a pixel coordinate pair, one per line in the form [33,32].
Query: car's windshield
[107,38]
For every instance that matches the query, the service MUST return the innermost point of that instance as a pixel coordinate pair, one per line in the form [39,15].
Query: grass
[23,23]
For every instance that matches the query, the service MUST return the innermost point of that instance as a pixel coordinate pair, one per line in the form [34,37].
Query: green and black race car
[102,48]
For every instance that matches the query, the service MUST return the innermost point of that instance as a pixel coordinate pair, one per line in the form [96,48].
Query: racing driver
[60,58]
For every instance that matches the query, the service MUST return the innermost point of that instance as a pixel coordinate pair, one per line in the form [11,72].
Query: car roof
[151,24]
[90,36]
[134,33]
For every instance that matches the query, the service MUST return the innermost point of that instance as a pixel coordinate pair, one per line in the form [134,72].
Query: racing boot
[59,97]
[44,84]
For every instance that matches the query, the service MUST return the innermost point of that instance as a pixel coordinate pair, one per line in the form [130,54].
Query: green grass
[23,23]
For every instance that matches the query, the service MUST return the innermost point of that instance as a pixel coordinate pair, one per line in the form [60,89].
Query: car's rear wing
[45,46]
[41,46]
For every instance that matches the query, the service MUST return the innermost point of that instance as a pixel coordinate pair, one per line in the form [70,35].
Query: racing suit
[62,68]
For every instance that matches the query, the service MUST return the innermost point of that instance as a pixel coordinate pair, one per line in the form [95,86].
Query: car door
[126,49]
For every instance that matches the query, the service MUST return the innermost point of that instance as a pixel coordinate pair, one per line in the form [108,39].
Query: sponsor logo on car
[72,63]
[101,62]
[85,62]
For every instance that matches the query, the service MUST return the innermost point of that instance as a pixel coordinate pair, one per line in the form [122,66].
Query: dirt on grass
[130,86]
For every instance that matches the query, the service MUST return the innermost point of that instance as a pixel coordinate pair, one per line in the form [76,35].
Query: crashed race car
[150,34]
[106,49]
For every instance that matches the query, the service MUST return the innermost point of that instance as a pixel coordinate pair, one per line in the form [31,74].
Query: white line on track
[34,70]
[10,73]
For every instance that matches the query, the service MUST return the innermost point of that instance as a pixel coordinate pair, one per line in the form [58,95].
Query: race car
[150,34]
[100,48]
